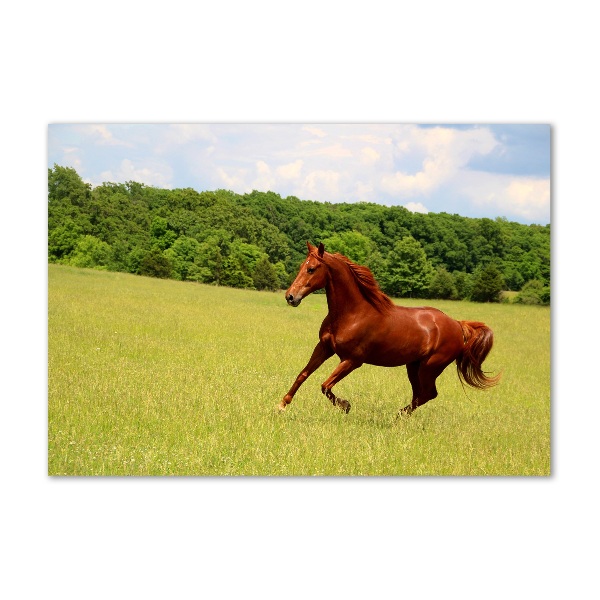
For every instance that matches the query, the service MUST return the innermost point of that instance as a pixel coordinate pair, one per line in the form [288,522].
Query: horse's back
[437,323]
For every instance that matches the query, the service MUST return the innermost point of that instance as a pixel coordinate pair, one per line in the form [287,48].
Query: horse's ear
[310,247]
[321,250]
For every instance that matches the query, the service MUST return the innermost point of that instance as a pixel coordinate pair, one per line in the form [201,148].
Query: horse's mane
[367,285]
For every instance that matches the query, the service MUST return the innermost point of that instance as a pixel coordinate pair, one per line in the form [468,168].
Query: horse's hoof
[405,412]
[343,404]
[281,407]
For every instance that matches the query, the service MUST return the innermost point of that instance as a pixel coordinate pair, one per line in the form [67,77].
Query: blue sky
[473,170]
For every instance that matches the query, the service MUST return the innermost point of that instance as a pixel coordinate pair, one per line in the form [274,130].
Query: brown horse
[364,326]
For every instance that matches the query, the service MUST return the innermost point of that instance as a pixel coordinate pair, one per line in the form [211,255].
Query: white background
[299,538]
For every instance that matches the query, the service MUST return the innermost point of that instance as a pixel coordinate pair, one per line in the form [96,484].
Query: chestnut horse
[364,326]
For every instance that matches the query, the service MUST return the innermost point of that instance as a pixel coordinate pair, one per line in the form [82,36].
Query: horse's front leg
[344,368]
[320,354]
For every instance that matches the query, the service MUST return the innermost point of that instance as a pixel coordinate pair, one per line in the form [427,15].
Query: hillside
[257,240]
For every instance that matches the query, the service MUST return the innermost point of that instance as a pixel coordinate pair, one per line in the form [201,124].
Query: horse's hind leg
[412,370]
[422,378]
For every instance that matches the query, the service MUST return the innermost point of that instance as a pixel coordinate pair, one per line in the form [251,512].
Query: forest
[258,240]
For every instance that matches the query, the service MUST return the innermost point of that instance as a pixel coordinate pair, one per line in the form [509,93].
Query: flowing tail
[479,339]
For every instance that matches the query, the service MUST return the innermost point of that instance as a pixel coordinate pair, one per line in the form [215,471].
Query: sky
[497,170]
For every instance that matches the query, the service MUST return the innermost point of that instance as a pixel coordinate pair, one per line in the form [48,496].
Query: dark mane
[367,285]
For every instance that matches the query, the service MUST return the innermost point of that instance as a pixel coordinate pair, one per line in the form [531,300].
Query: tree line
[258,240]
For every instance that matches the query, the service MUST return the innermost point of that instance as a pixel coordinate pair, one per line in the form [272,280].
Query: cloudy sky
[472,170]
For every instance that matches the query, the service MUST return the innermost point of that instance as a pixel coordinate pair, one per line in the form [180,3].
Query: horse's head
[311,276]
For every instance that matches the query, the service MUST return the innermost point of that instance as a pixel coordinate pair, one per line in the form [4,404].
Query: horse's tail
[479,339]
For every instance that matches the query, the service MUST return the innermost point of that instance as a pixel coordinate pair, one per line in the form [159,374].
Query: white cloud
[445,153]
[416,207]
[363,192]
[264,180]
[369,156]
[342,162]
[408,185]
[290,170]
[186,133]
[320,185]
[370,138]
[72,158]
[333,151]
[522,196]
[314,130]
[101,134]
[154,174]
[244,180]
[528,196]
[236,182]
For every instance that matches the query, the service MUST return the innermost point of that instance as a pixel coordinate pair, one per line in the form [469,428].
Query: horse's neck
[343,295]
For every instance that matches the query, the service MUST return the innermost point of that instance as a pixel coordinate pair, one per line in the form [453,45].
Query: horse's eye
[310,270]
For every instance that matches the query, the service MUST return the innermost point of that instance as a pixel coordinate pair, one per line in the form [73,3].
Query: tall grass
[154,377]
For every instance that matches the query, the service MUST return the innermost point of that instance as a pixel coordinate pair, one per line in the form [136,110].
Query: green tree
[234,276]
[69,211]
[65,185]
[234,232]
[442,285]
[352,244]
[155,264]
[283,276]
[162,235]
[487,284]
[408,271]
[512,276]
[134,260]
[211,259]
[245,256]
[265,275]
[533,292]
[62,240]
[184,256]
[464,284]
[91,253]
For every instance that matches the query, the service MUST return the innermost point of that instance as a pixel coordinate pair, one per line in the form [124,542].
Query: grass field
[155,377]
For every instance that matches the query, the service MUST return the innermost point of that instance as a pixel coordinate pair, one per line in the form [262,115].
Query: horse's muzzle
[293,300]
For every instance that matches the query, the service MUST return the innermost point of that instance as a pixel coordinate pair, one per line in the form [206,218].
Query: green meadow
[158,377]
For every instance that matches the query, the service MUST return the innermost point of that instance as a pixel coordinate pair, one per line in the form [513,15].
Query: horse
[364,326]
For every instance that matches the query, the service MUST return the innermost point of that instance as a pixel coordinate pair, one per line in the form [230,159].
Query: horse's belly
[393,357]
[382,351]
